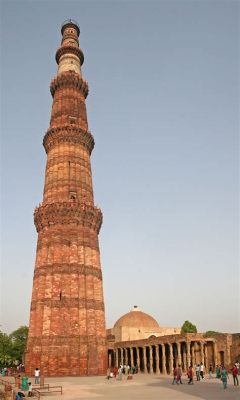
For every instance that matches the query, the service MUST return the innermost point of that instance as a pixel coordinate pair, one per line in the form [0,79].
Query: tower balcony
[68,212]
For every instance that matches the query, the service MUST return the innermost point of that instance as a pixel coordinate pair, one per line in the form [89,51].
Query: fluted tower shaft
[67,334]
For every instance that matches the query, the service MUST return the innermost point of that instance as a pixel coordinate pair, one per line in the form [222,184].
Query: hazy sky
[163,109]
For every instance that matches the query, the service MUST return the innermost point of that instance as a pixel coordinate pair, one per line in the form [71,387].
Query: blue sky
[163,109]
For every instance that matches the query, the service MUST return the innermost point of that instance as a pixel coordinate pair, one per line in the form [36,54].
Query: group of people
[122,370]
[29,388]
[9,371]
[221,373]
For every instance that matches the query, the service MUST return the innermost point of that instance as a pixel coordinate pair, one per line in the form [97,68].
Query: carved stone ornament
[69,79]
[69,134]
[67,213]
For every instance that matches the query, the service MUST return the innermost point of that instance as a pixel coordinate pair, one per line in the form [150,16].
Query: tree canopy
[211,333]
[13,346]
[188,327]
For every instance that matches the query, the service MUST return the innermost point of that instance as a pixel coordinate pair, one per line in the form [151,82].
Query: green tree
[211,333]
[188,327]
[5,349]
[18,340]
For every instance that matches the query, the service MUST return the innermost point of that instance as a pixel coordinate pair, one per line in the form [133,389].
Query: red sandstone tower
[67,333]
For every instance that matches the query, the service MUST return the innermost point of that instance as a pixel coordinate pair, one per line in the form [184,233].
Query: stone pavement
[142,387]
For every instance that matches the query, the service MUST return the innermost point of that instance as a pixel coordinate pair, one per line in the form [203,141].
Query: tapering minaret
[67,333]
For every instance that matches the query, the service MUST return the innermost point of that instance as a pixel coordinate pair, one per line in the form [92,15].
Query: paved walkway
[142,387]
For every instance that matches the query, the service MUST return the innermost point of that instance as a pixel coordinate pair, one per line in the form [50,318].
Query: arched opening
[221,353]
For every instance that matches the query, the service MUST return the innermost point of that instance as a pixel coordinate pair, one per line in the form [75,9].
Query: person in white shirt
[197,369]
[36,375]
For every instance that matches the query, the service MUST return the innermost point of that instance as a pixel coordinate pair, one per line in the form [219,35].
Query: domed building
[136,325]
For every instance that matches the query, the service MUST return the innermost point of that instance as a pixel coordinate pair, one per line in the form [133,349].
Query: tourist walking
[37,375]
[197,369]
[224,377]
[190,375]
[235,375]
[238,366]
[115,371]
[18,381]
[179,374]
[174,376]
[108,373]
[210,371]
[218,375]
[30,393]
[120,372]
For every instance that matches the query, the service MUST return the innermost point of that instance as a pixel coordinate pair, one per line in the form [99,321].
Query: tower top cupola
[70,23]
[69,56]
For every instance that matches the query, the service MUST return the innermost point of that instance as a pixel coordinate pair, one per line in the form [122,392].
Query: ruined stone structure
[136,341]
[67,334]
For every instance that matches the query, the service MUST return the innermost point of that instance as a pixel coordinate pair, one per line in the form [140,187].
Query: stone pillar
[157,359]
[179,358]
[121,359]
[215,350]
[116,358]
[188,354]
[193,354]
[202,353]
[184,357]
[110,358]
[131,357]
[228,351]
[196,353]
[206,356]
[170,358]
[150,359]
[126,356]
[138,359]
[144,359]
[164,370]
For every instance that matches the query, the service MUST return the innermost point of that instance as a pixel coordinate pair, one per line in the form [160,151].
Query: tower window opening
[72,119]
[60,296]
[72,195]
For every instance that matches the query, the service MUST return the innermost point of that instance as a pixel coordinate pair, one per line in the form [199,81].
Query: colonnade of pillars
[163,357]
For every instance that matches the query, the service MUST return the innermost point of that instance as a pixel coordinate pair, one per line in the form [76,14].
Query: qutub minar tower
[67,334]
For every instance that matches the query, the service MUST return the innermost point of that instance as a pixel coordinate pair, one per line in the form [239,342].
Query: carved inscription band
[59,159]
[53,184]
[75,302]
[59,341]
[62,269]
[86,242]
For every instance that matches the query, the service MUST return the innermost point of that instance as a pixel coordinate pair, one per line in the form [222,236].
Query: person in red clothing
[190,375]
[18,381]
[115,371]
[174,375]
[235,375]
[179,374]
